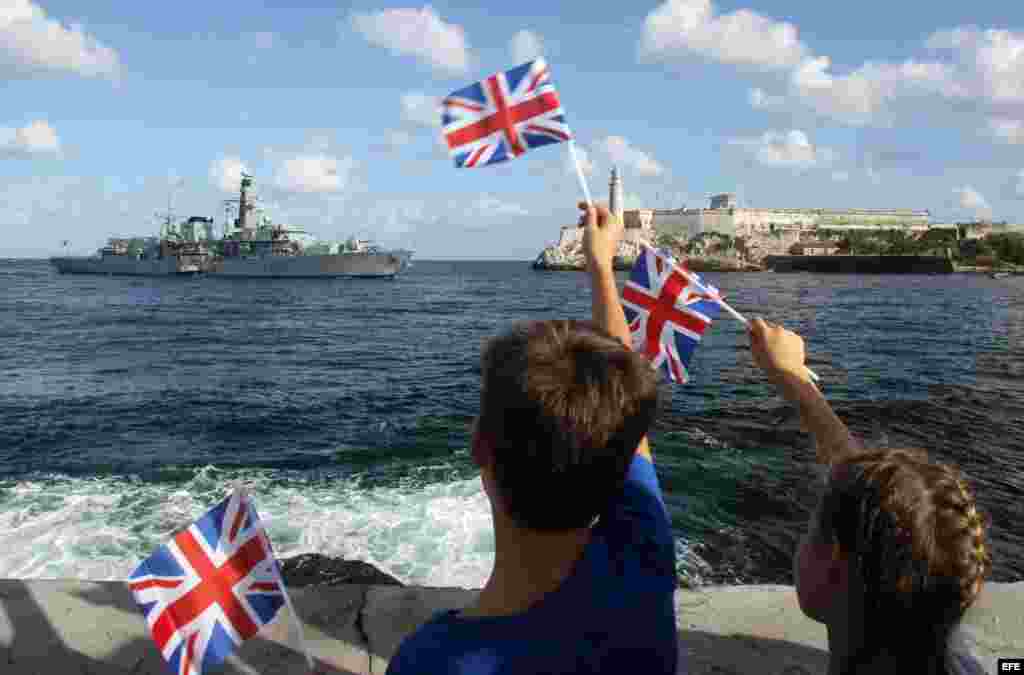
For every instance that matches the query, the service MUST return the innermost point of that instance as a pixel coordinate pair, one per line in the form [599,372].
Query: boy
[584,570]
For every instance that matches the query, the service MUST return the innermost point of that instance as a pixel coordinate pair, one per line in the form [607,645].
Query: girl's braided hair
[917,543]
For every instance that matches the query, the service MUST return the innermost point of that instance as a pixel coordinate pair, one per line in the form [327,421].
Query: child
[584,571]
[896,550]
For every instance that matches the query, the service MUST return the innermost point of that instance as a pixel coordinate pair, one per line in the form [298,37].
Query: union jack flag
[503,116]
[668,308]
[210,588]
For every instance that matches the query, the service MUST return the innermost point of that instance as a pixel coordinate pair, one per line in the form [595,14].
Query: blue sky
[109,107]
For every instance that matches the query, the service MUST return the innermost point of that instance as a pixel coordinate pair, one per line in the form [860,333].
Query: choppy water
[128,405]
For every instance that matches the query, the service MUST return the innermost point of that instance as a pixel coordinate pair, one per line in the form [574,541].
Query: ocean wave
[99,528]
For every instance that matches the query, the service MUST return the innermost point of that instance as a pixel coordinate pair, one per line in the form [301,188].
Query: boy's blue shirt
[615,613]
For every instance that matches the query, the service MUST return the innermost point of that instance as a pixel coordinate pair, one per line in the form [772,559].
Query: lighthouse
[615,194]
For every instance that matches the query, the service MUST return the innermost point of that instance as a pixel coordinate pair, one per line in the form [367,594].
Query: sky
[110,110]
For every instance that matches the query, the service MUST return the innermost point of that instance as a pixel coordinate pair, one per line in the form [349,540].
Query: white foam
[436,534]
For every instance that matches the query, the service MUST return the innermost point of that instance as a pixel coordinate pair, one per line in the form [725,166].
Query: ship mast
[246,203]
[243,202]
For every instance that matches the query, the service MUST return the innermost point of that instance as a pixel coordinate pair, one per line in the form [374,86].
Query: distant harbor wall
[860,264]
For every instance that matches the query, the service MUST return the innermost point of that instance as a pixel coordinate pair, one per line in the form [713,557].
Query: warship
[251,246]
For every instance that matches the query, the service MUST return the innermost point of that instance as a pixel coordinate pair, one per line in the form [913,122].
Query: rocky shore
[555,260]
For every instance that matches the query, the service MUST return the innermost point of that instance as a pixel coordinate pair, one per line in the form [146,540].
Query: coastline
[57,626]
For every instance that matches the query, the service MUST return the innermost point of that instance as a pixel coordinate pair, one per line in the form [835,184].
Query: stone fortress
[765,231]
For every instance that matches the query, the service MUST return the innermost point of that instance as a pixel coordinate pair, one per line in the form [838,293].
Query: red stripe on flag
[661,310]
[215,587]
[545,130]
[504,116]
[545,103]
[237,524]
[474,107]
[475,157]
[676,368]
[154,583]
[536,80]
[190,654]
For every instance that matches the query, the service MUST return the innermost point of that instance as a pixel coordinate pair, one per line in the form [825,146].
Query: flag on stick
[668,308]
[503,116]
[210,588]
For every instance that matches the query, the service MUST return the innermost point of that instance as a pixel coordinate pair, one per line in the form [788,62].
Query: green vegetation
[1004,249]
[1007,247]
[890,242]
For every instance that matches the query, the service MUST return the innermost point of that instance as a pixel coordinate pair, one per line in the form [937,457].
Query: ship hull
[311,266]
[383,265]
[116,265]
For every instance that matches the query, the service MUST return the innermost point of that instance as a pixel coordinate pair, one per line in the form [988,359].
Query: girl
[896,550]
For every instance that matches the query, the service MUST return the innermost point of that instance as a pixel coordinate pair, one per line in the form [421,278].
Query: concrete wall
[83,627]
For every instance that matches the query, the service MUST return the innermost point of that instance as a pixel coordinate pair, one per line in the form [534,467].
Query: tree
[665,240]
[740,244]
[1008,247]
[897,242]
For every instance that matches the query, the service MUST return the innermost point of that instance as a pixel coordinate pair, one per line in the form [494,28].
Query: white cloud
[397,138]
[314,173]
[30,42]
[35,139]
[840,176]
[991,62]
[226,173]
[762,100]
[743,37]
[790,149]
[421,109]
[1007,130]
[526,46]
[870,93]
[489,205]
[985,68]
[973,201]
[619,150]
[1015,189]
[420,33]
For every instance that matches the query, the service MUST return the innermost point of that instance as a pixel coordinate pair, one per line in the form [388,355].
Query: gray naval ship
[251,246]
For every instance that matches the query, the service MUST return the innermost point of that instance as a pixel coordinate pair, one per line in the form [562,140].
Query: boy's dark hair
[917,546]
[564,405]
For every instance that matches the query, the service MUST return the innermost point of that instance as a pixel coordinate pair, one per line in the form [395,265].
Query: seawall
[94,627]
[860,264]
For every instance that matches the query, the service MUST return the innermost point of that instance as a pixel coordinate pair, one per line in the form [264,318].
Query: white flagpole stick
[579,172]
[724,305]
[269,551]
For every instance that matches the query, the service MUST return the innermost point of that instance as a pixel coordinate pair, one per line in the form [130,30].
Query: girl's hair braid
[916,539]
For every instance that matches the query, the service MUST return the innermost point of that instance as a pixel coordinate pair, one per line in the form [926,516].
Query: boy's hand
[602,232]
[777,351]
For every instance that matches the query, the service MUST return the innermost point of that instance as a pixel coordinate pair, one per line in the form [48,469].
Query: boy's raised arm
[602,232]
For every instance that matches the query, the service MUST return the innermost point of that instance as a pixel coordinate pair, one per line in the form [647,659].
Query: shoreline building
[765,231]
[726,217]
[769,231]
[639,223]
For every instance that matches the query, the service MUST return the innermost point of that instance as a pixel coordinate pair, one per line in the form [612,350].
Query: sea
[129,406]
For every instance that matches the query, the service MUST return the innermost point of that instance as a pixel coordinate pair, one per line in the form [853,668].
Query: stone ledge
[94,627]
